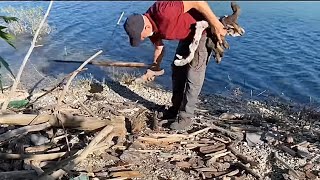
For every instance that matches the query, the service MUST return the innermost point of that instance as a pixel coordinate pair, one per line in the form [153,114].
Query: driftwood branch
[17,175]
[84,106]
[40,148]
[80,156]
[65,89]
[33,43]
[68,121]
[22,131]
[111,63]
[233,135]
[240,156]
[52,88]
[276,156]
[247,169]
[36,157]
[161,138]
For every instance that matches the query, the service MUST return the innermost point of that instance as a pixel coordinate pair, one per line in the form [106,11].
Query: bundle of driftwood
[230,23]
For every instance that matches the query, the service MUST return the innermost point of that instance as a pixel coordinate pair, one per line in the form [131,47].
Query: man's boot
[183,122]
[168,114]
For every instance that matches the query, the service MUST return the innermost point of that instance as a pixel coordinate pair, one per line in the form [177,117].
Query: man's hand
[151,73]
[155,67]
[220,32]
[203,7]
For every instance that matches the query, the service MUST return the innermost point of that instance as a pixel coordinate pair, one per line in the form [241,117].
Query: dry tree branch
[33,43]
[65,89]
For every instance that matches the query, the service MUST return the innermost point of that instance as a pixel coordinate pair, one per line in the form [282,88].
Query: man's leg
[178,81]
[194,80]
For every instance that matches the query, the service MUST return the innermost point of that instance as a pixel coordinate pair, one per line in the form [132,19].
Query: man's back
[170,20]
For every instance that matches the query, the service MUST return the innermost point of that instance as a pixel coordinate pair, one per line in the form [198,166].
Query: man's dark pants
[187,80]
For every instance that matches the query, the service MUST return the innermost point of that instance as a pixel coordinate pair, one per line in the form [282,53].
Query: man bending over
[175,20]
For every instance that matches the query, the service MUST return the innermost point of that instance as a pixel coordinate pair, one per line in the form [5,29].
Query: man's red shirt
[169,21]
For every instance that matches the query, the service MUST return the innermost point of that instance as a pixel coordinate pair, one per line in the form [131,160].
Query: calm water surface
[277,56]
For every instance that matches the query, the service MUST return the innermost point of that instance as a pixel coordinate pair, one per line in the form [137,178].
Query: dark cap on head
[134,26]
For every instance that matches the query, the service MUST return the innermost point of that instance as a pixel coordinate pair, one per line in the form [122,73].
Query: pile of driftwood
[51,146]
[53,153]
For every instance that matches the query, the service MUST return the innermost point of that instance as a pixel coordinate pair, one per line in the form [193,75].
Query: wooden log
[49,148]
[183,164]
[35,165]
[232,135]
[40,148]
[80,122]
[196,145]
[207,169]
[288,150]
[214,157]
[17,175]
[69,121]
[22,131]
[160,141]
[117,168]
[38,157]
[126,174]
[247,129]
[276,156]
[70,163]
[222,140]
[240,156]
[232,173]
[212,148]
[247,169]
[216,153]
[184,136]
[229,116]
[164,139]
[25,119]
[74,74]
[110,63]
[303,143]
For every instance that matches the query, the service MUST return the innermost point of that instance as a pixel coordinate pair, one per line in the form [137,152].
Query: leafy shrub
[29,20]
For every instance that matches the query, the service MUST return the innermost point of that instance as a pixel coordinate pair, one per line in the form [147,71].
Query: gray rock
[302,152]
[38,139]
[254,139]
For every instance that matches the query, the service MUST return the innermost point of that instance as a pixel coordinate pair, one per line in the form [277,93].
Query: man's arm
[158,55]
[204,8]
[155,69]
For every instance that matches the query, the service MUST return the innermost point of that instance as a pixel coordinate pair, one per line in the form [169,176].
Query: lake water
[278,56]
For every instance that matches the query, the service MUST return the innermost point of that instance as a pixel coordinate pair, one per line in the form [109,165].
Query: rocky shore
[231,138]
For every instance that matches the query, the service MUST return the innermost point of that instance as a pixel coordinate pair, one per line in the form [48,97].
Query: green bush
[7,37]
[29,20]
